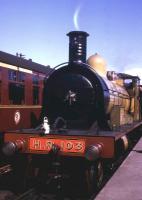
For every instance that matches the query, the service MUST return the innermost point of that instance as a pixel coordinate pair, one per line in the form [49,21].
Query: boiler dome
[98,64]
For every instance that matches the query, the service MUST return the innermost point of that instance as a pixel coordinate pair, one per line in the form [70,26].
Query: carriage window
[21,77]
[35,79]
[12,75]
[16,93]
[35,95]
[16,87]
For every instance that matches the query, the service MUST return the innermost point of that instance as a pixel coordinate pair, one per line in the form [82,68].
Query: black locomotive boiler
[87,116]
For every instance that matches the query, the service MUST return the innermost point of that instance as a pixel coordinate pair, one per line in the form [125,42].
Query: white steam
[75,17]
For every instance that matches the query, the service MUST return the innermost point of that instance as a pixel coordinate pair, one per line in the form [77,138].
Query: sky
[38,28]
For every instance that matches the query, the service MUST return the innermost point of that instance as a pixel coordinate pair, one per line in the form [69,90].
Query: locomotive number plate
[67,146]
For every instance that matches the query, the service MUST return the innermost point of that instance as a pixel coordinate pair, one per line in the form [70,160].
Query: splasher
[75,17]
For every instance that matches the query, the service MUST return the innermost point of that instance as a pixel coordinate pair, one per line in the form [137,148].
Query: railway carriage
[21,85]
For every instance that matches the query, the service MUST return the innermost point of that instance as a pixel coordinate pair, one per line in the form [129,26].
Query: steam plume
[75,17]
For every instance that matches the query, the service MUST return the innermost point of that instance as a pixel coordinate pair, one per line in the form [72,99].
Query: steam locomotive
[87,111]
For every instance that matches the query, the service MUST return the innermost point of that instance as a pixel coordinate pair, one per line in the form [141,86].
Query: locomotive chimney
[77,46]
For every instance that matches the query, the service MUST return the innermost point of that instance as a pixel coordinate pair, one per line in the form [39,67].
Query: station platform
[126,183]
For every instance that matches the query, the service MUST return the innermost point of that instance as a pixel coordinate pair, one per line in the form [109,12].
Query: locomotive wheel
[94,177]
